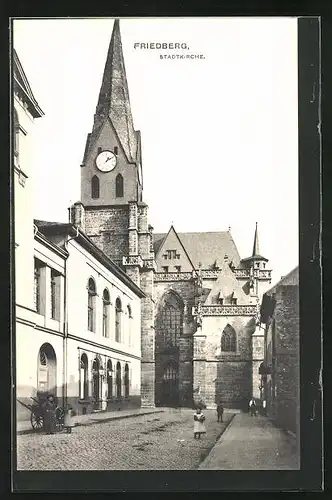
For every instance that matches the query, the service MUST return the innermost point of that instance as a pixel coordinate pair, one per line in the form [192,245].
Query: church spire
[113,101]
[255,249]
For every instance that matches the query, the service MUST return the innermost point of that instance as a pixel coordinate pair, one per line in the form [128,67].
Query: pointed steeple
[255,249]
[113,101]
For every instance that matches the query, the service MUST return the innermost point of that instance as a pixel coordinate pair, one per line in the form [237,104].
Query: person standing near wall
[220,412]
[49,415]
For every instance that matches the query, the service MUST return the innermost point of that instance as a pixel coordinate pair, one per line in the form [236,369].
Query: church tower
[111,211]
[258,283]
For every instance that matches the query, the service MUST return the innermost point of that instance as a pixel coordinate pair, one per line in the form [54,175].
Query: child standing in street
[199,427]
[68,422]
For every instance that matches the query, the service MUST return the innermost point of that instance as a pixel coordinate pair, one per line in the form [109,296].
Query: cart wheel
[36,421]
[60,418]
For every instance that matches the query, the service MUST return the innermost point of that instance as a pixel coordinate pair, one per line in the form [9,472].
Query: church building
[200,301]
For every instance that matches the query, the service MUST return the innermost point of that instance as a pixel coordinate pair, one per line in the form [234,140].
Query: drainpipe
[65,326]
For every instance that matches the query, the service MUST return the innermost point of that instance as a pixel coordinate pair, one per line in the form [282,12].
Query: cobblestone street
[161,441]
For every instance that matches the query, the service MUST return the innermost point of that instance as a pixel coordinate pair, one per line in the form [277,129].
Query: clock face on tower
[106,161]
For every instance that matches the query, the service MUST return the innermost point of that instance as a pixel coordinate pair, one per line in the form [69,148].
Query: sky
[219,133]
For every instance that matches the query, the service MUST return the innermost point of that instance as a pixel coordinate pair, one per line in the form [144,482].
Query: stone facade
[280,313]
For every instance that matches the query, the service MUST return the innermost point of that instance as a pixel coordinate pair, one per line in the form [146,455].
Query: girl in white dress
[199,427]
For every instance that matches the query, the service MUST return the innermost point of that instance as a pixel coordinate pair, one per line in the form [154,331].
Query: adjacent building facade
[78,315]
[280,371]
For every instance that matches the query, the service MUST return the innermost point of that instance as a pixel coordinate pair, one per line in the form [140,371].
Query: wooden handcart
[37,417]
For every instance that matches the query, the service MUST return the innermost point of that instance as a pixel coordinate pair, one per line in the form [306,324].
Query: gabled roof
[113,101]
[204,248]
[22,87]
[180,242]
[292,278]
[60,228]
[227,286]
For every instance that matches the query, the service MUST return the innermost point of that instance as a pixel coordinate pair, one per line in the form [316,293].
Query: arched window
[126,380]
[118,380]
[119,186]
[84,377]
[118,313]
[129,324]
[109,379]
[95,187]
[46,376]
[91,304]
[170,320]
[106,306]
[228,339]
[96,382]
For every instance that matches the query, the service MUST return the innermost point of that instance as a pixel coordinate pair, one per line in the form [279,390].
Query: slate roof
[205,247]
[54,228]
[292,278]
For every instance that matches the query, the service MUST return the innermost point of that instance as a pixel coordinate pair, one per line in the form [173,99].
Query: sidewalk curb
[115,417]
[220,439]
[92,421]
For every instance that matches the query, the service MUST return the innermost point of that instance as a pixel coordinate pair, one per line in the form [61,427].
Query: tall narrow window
[118,311]
[91,304]
[129,324]
[170,321]
[46,374]
[106,305]
[228,339]
[119,186]
[16,136]
[126,380]
[36,294]
[53,294]
[109,379]
[84,377]
[95,187]
[118,380]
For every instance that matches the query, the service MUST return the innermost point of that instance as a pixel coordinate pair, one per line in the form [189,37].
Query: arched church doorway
[169,329]
[46,375]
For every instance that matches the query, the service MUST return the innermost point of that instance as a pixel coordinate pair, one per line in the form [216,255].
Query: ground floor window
[46,376]
[109,379]
[118,380]
[84,377]
[126,380]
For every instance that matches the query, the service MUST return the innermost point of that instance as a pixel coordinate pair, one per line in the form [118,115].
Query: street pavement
[162,440]
[91,418]
[253,443]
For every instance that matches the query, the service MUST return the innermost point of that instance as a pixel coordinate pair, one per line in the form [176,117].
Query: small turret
[260,276]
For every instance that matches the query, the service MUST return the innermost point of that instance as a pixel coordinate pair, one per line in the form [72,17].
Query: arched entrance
[171,384]
[169,327]
[109,379]
[96,384]
[118,380]
[46,375]
[126,381]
